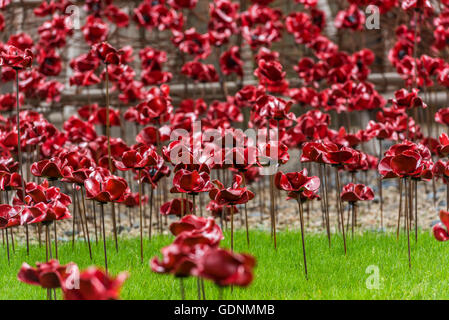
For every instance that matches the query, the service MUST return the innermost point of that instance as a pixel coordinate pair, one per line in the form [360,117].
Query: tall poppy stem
[85,221]
[340,208]
[12,241]
[56,239]
[324,199]
[181,286]
[416,210]
[434,189]
[246,212]
[47,251]
[7,245]
[74,218]
[400,209]
[407,215]
[19,153]
[271,186]
[95,222]
[182,206]
[381,203]
[150,225]
[301,217]
[261,202]
[232,228]
[47,230]
[202,289]
[104,237]
[198,286]
[447,196]
[140,216]
[108,135]
[273,214]
[353,207]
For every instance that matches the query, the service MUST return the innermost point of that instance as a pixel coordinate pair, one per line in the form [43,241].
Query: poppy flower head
[95,284]
[296,181]
[356,192]
[15,58]
[104,188]
[191,182]
[440,230]
[48,275]
[107,53]
[226,268]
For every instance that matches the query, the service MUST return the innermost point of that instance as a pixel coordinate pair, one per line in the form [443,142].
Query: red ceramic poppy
[85,62]
[178,207]
[221,211]
[178,259]
[226,268]
[2,22]
[442,116]
[104,188]
[99,116]
[271,74]
[296,182]
[132,200]
[198,71]
[21,41]
[352,18]
[157,108]
[441,170]
[230,62]
[45,213]
[302,26]
[416,4]
[53,33]
[405,159]
[137,159]
[51,169]
[183,4]
[153,175]
[78,130]
[242,159]
[443,148]
[15,58]
[49,275]
[272,107]
[191,182]
[192,42]
[95,30]
[10,181]
[231,196]
[189,223]
[95,284]
[9,215]
[116,16]
[440,230]
[107,53]
[356,192]
[192,230]
[50,63]
[403,99]
[36,193]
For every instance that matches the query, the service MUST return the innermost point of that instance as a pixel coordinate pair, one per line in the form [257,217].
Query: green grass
[279,274]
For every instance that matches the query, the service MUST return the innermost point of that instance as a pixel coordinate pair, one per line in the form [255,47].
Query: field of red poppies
[159,134]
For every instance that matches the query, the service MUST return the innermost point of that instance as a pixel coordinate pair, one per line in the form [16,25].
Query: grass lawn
[279,274]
